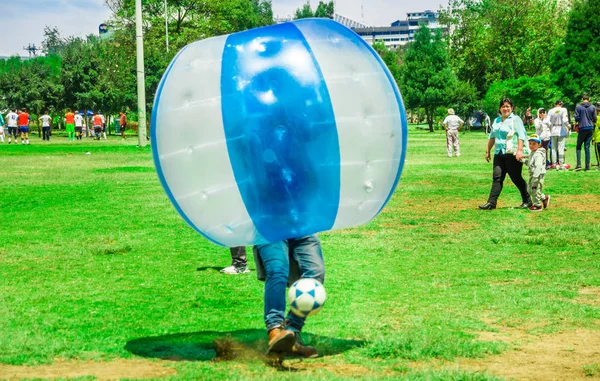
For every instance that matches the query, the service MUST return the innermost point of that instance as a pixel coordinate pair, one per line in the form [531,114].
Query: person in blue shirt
[585,116]
[507,138]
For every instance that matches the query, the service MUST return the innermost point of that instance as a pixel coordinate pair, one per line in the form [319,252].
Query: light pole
[166,27]
[141,86]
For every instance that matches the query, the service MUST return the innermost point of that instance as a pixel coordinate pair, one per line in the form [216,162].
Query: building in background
[400,32]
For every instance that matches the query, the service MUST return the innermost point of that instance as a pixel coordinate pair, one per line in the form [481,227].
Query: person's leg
[586,146]
[27,137]
[455,142]
[498,175]
[275,259]
[239,262]
[580,138]
[276,262]
[448,144]
[545,144]
[307,252]
[515,171]
[561,151]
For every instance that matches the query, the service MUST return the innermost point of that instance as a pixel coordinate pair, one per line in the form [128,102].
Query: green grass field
[96,266]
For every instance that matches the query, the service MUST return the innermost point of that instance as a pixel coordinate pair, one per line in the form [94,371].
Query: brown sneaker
[281,341]
[301,350]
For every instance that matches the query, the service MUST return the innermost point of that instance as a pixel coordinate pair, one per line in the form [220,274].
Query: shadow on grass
[223,346]
[207,268]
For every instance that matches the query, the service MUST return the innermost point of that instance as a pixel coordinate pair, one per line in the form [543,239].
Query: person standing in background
[585,117]
[70,124]
[12,119]
[559,129]
[46,121]
[123,123]
[24,120]
[452,124]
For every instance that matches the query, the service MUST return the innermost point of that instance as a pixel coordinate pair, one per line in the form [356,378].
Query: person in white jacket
[542,129]
[559,130]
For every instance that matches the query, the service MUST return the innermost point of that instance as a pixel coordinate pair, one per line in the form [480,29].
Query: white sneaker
[27,141]
[232,270]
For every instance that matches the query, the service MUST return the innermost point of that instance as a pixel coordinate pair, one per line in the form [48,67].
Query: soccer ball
[306,297]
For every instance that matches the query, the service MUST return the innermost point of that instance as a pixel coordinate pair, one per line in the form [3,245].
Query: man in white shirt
[78,125]
[452,124]
[46,120]
[559,130]
[11,122]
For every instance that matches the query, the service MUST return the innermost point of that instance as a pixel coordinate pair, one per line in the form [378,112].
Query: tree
[576,63]
[324,10]
[304,12]
[427,78]
[534,92]
[493,40]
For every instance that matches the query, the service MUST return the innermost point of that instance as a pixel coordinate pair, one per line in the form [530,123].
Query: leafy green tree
[304,12]
[493,40]
[324,10]
[576,63]
[534,92]
[427,78]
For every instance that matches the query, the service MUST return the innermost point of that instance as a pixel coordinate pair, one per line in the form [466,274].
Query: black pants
[238,256]
[46,133]
[584,138]
[503,164]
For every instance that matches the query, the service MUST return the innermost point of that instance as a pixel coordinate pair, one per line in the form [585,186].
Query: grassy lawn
[96,265]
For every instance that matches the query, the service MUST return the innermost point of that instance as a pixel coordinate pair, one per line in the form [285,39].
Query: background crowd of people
[17,124]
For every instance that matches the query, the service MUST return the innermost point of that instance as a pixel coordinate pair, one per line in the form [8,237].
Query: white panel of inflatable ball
[370,119]
[190,149]
[278,132]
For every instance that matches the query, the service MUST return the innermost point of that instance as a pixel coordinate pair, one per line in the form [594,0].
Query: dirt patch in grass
[576,203]
[308,367]
[102,371]
[590,296]
[562,356]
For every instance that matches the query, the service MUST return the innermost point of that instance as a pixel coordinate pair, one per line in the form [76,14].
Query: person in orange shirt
[24,119]
[97,122]
[70,124]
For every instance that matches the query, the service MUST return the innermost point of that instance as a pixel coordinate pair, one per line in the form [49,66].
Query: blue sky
[23,21]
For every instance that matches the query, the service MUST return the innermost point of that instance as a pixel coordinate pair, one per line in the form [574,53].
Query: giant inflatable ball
[278,132]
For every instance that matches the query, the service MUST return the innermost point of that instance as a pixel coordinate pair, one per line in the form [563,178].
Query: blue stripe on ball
[281,132]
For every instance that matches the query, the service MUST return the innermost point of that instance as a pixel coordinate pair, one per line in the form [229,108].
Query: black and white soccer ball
[306,297]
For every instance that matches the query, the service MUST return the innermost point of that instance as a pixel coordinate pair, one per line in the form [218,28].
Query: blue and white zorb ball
[278,132]
[306,297]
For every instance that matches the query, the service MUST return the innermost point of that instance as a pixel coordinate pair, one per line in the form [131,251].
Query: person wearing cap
[585,116]
[507,138]
[452,124]
[559,129]
[537,171]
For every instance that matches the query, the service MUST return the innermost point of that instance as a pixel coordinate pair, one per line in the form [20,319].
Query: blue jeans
[306,251]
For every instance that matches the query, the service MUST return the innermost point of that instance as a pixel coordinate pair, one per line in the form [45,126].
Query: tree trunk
[429,112]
